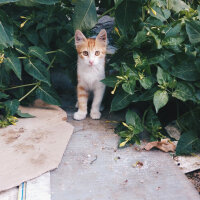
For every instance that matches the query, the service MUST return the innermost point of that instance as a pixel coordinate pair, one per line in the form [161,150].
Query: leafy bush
[158,65]
[36,36]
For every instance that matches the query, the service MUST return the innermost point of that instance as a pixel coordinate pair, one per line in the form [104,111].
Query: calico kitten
[90,71]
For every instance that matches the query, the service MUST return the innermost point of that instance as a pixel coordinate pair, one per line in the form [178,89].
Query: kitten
[90,71]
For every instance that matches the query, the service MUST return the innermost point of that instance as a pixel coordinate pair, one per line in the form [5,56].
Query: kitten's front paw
[95,115]
[79,115]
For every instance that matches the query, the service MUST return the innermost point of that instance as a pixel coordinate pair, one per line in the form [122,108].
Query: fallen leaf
[165,145]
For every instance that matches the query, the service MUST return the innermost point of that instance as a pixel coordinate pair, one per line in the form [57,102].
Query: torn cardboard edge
[33,146]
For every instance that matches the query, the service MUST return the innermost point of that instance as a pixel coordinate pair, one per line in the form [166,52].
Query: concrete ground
[93,168]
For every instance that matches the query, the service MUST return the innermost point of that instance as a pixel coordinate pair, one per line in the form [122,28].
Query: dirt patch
[194,177]
[23,148]
[39,160]
[12,135]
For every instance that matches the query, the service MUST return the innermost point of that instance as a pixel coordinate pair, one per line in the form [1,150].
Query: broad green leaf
[24,115]
[184,92]
[133,119]
[12,106]
[85,16]
[146,82]
[173,31]
[188,143]
[177,5]
[198,10]
[13,62]
[47,2]
[47,94]
[5,37]
[185,70]
[172,41]
[129,86]
[110,81]
[160,99]
[125,13]
[193,31]
[39,53]
[165,79]
[8,1]
[161,14]
[120,101]
[36,69]
[3,95]
[145,96]
[139,38]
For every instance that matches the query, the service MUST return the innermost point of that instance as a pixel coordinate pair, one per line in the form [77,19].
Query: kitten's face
[91,51]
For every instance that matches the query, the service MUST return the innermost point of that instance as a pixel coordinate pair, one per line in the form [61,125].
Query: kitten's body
[91,70]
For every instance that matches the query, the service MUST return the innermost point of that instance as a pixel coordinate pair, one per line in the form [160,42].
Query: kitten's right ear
[79,37]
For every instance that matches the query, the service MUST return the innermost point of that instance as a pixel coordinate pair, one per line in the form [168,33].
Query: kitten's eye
[97,53]
[85,53]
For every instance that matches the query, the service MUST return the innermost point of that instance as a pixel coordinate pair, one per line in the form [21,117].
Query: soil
[194,177]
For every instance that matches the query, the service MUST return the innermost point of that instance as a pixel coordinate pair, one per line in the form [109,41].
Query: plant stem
[111,9]
[49,52]
[19,86]
[50,65]
[22,57]
[70,39]
[28,92]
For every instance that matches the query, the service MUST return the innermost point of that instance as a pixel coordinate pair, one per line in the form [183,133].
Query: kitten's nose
[91,62]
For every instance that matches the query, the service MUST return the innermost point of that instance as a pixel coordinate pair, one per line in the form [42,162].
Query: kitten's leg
[98,96]
[82,95]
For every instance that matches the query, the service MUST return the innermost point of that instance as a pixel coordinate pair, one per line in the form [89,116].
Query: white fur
[89,78]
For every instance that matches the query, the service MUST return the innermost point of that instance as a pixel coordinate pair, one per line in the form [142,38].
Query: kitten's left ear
[102,36]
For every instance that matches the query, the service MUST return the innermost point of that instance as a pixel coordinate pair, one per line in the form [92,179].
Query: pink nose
[91,62]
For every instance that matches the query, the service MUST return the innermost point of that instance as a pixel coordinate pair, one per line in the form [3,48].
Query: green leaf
[120,101]
[183,92]
[3,95]
[36,69]
[146,82]
[186,70]
[85,16]
[5,36]
[139,38]
[177,5]
[193,31]
[13,62]
[165,79]
[129,86]
[39,53]
[47,94]
[160,99]
[188,143]
[133,119]
[12,106]
[156,38]
[46,2]
[145,96]
[110,81]
[24,115]
[161,14]
[125,13]
[173,31]
[8,1]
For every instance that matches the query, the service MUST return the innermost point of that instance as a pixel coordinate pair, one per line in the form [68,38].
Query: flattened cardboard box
[33,146]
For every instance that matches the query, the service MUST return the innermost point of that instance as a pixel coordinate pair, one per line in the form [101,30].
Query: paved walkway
[94,169]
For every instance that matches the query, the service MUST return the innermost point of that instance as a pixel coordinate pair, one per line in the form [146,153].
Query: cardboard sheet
[33,146]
